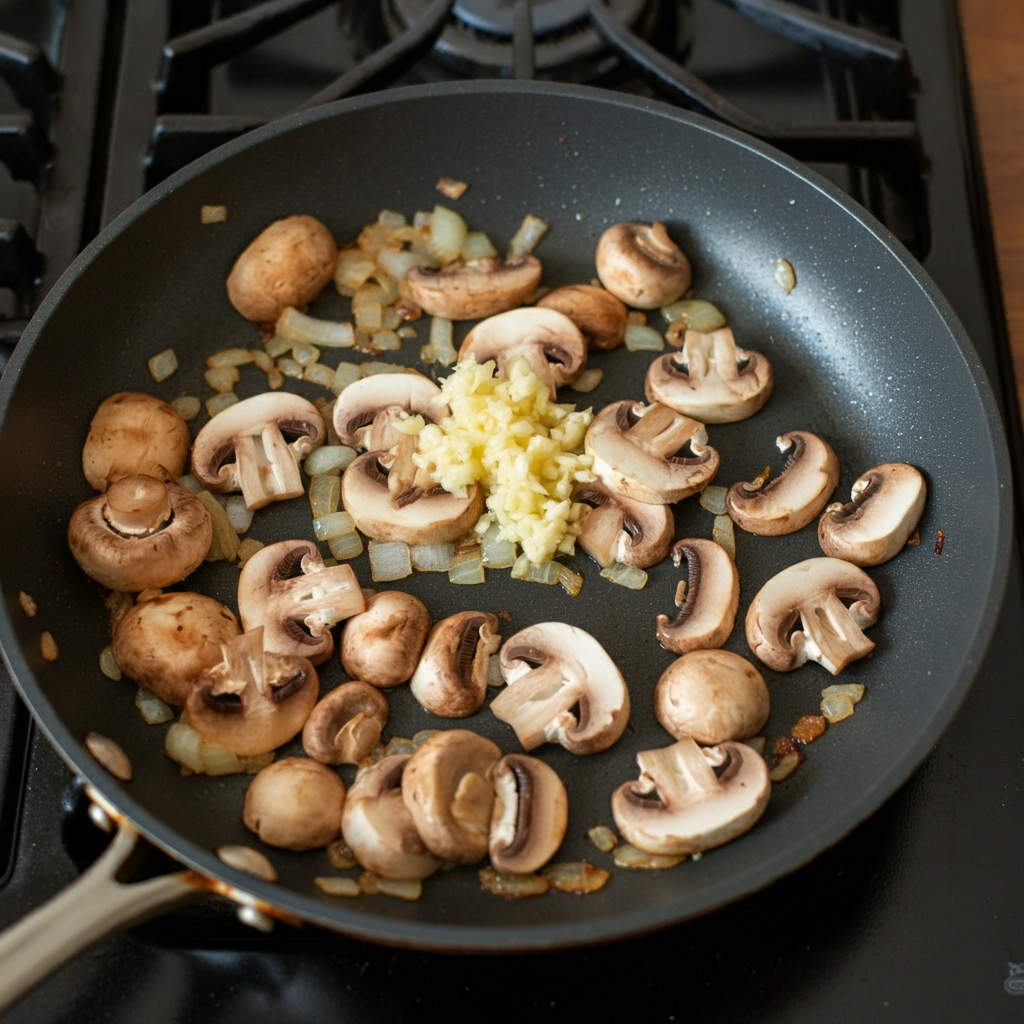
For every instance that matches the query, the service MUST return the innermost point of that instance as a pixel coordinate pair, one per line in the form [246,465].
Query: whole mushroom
[295,804]
[382,645]
[476,289]
[641,265]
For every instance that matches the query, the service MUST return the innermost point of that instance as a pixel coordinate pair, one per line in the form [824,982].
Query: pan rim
[439,936]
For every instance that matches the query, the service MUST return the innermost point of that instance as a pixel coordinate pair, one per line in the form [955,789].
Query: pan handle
[94,906]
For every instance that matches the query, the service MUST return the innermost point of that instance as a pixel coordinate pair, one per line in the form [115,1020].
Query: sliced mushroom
[378,827]
[549,341]
[599,315]
[345,725]
[134,433]
[432,517]
[834,602]
[252,701]
[286,264]
[562,688]
[286,589]
[451,677]
[446,789]
[382,645]
[638,452]
[681,804]
[712,696]
[268,435]
[614,528]
[531,811]
[140,533]
[164,643]
[707,613]
[711,379]
[295,804]
[791,500]
[479,288]
[887,504]
[641,265]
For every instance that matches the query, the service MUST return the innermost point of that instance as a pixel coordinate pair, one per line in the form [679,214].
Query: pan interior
[863,355]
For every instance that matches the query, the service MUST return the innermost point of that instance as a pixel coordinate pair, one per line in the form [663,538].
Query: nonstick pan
[866,353]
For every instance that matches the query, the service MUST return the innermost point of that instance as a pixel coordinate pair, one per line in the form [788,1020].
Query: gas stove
[919,912]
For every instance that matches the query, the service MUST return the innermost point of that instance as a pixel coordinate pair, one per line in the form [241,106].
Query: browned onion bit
[337,886]
[809,728]
[245,858]
[28,605]
[110,755]
[628,856]
[784,767]
[603,838]
[940,541]
[783,747]
[48,646]
[341,856]
[576,877]
[914,540]
[511,886]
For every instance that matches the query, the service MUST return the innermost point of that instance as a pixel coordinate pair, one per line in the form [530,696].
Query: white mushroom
[614,528]
[295,804]
[479,288]
[345,725]
[562,688]
[599,315]
[382,645]
[641,265]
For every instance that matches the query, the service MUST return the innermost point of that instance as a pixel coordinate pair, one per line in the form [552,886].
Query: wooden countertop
[993,33]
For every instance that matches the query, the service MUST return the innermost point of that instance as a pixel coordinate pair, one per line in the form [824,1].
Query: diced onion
[163,364]
[290,367]
[713,499]
[345,374]
[451,188]
[628,856]
[187,407]
[576,877]
[352,268]
[300,328]
[447,234]
[440,347]
[855,691]
[497,553]
[245,858]
[247,548]
[224,545]
[230,357]
[784,275]
[695,315]
[218,760]
[212,214]
[222,378]
[334,524]
[836,706]
[318,373]
[305,354]
[368,315]
[337,886]
[432,557]
[625,575]
[478,247]
[346,546]
[723,534]
[513,886]
[108,664]
[238,513]
[277,346]
[397,262]
[389,560]
[110,755]
[494,676]
[372,369]
[525,240]
[603,838]
[587,381]
[386,341]
[640,338]
[467,568]
[570,580]
[182,744]
[219,402]
[340,854]
[153,710]
[331,458]
[324,494]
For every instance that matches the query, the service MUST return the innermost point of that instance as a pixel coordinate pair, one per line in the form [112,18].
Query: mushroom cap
[887,504]
[712,696]
[164,643]
[287,589]
[531,812]
[286,264]
[705,379]
[636,452]
[641,265]
[599,315]
[788,502]
[479,288]
[382,645]
[814,591]
[614,528]
[451,677]
[134,433]
[549,341]
[346,724]
[680,805]
[140,533]
[380,399]
[378,827]
[268,434]
[434,517]
[553,670]
[252,701]
[295,804]
[446,789]
[708,612]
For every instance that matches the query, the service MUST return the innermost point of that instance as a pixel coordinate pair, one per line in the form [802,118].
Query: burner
[478,39]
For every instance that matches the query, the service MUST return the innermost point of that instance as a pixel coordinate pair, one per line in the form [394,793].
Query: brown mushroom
[382,645]
[345,725]
[140,533]
[252,701]
[641,265]
[378,827]
[788,502]
[295,804]
[599,315]
[641,452]
[816,592]
[286,589]
[562,688]
[549,341]
[451,677]
[614,528]
[531,811]
[134,433]
[689,798]
[164,643]
[707,612]
[286,264]
[446,789]
[479,288]
[712,696]
[711,379]
[887,504]
[267,434]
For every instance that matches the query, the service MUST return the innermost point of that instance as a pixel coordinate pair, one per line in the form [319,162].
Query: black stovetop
[918,914]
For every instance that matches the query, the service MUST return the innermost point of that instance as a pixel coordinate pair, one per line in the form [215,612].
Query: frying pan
[866,353]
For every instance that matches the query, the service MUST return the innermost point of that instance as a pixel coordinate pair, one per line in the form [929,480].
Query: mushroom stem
[137,506]
[265,468]
[680,773]
[832,636]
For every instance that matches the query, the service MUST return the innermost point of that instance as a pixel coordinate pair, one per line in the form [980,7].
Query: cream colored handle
[92,907]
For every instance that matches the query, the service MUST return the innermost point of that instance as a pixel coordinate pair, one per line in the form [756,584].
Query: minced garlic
[525,450]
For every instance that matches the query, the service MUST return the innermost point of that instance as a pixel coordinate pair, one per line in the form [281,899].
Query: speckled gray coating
[866,353]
